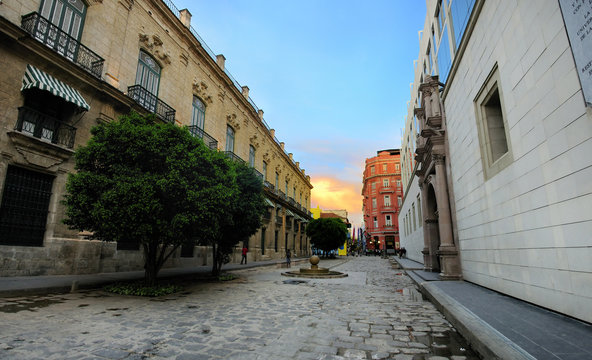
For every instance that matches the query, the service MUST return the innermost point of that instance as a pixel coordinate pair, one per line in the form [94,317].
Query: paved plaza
[374,313]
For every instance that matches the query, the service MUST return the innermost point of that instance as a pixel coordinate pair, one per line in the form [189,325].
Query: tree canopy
[327,233]
[242,216]
[151,184]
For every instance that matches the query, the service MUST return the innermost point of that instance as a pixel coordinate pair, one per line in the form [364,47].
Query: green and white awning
[35,78]
[289,213]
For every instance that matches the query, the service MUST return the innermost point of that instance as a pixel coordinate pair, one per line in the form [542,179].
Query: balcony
[268,185]
[279,220]
[59,41]
[207,139]
[282,195]
[150,102]
[258,174]
[386,189]
[291,201]
[267,216]
[234,157]
[44,127]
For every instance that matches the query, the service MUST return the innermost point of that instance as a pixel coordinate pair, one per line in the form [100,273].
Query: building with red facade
[383,194]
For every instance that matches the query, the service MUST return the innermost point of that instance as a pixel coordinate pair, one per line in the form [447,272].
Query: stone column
[450,266]
[427,259]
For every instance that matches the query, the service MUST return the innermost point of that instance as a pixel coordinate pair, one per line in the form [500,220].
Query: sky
[332,77]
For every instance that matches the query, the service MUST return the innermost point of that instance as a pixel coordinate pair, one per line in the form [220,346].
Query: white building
[517,134]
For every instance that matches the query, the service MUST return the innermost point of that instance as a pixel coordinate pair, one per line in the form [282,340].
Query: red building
[383,194]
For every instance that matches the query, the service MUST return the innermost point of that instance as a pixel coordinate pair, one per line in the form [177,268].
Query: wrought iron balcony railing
[44,127]
[152,103]
[268,185]
[234,157]
[207,139]
[49,34]
[258,174]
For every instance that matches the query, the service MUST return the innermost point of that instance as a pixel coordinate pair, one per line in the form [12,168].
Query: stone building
[500,119]
[382,193]
[69,65]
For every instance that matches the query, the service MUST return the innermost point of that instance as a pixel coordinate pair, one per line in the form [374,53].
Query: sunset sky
[331,75]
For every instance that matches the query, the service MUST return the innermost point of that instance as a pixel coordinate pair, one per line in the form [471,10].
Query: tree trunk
[215,270]
[150,267]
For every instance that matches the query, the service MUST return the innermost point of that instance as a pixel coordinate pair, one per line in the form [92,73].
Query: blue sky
[332,77]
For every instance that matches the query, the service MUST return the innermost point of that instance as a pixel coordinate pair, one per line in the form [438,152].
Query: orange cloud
[332,193]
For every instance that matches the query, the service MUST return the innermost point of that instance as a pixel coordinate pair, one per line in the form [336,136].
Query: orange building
[383,194]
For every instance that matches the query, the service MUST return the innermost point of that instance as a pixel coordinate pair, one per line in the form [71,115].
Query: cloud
[332,193]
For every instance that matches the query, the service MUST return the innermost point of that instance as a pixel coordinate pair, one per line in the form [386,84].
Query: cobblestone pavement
[375,313]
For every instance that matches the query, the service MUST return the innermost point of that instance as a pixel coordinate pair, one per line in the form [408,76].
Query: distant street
[375,313]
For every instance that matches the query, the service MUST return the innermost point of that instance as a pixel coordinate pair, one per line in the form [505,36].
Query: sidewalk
[499,326]
[26,285]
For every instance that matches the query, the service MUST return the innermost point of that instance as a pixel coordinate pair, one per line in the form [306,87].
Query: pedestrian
[288,258]
[244,258]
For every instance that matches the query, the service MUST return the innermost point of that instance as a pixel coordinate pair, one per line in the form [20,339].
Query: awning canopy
[289,213]
[35,78]
[269,202]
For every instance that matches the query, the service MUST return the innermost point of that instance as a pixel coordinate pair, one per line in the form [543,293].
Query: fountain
[315,272]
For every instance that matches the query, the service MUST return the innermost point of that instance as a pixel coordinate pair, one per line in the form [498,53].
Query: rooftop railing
[152,103]
[59,41]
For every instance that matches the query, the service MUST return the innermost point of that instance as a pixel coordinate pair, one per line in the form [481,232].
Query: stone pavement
[374,313]
[501,326]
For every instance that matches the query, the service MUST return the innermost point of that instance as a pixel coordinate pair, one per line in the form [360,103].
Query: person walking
[288,258]
[244,258]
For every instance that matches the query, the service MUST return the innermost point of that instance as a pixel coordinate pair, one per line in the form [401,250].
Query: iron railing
[291,201]
[268,185]
[207,139]
[234,157]
[49,34]
[152,103]
[44,127]
[258,174]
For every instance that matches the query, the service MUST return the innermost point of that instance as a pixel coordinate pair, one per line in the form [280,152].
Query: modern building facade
[382,193]
[69,65]
[500,125]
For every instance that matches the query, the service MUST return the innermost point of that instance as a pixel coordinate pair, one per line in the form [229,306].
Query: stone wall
[525,231]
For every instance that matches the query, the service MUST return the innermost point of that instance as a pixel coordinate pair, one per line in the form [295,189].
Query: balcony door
[67,16]
[148,76]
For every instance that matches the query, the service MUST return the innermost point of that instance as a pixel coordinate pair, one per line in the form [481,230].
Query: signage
[577,15]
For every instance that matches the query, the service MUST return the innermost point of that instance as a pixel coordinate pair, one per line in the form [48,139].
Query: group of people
[246,250]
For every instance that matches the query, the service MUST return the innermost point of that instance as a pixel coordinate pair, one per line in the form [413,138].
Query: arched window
[198,116]
[67,15]
[229,138]
[148,74]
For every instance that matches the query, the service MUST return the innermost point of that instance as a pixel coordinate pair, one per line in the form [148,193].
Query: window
[294,196]
[397,167]
[444,56]
[419,216]
[387,220]
[372,170]
[387,200]
[496,151]
[277,180]
[264,171]
[385,182]
[148,76]
[286,187]
[399,201]
[375,222]
[373,186]
[373,203]
[460,11]
[24,208]
[67,15]
[414,220]
[251,156]
[229,138]
[198,115]
[383,168]
[398,183]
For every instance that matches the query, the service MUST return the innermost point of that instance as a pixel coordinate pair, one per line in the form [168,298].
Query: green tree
[327,233]
[150,184]
[242,215]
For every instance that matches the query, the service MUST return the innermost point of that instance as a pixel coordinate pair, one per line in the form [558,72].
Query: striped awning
[289,213]
[35,78]
[269,202]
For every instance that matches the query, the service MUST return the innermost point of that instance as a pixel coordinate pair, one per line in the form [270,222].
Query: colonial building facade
[500,124]
[69,65]
[382,193]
